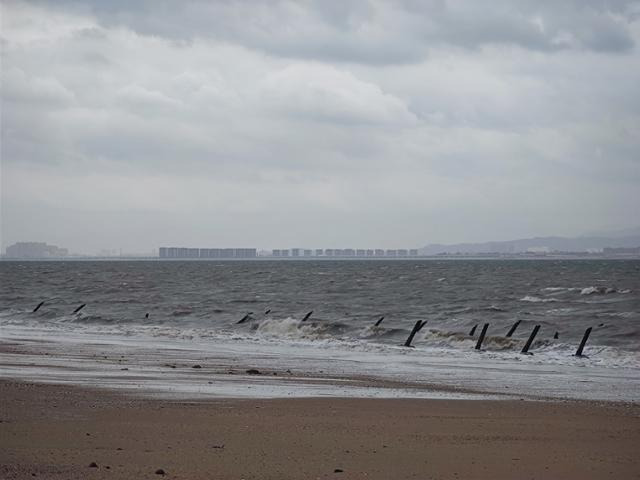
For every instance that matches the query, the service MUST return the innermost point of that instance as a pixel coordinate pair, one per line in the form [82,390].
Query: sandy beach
[57,432]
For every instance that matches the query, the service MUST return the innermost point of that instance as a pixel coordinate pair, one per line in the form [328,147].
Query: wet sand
[49,431]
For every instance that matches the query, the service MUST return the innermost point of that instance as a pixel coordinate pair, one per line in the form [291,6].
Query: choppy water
[347,297]
[201,302]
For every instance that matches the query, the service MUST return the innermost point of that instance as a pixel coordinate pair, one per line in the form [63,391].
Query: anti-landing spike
[513,328]
[80,308]
[416,328]
[379,321]
[267,312]
[306,317]
[527,345]
[473,330]
[482,334]
[585,337]
[244,319]
[38,307]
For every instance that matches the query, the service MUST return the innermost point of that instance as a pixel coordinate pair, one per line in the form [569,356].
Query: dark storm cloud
[377,32]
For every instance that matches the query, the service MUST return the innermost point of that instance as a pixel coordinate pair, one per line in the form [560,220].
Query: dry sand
[49,431]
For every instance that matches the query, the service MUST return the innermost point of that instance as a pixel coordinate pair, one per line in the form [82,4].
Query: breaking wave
[533,299]
[561,289]
[592,290]
[602,290]
[295,329]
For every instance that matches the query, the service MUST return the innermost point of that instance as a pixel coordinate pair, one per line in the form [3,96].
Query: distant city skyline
[626,241]
[630,235]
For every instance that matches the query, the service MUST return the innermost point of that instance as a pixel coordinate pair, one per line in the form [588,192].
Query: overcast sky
[317,124]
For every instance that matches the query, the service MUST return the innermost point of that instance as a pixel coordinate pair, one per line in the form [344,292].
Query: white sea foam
[602,290]
[95,360]
[533,299]
[290,328]
[561,289]
[592,290]
[561,311]
[618,314]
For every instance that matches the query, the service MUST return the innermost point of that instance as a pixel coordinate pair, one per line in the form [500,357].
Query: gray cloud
[377,32]
[316,124]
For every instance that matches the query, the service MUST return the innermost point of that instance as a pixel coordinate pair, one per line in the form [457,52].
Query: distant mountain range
[627,238]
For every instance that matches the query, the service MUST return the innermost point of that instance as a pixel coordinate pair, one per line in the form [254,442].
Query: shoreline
[194,379]
[175,368]
[56,431]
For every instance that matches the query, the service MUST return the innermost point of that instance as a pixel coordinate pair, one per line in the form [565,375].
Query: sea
[145,325]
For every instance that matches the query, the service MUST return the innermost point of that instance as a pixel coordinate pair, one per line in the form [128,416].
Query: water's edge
[219,369]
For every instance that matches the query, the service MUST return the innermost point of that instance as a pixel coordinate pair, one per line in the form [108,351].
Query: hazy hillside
[563,244]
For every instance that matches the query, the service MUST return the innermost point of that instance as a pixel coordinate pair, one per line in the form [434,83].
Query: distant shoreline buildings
[207,253]
[181,252]
[43,251]
[35,250]
[344,252]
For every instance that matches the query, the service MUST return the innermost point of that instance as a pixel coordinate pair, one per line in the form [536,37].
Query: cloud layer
[328,124]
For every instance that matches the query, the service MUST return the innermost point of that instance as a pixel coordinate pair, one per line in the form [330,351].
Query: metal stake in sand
[416,328]
[587,332]
[513,328]
[482,334]
[379,322]
[525,349]
[306,317]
